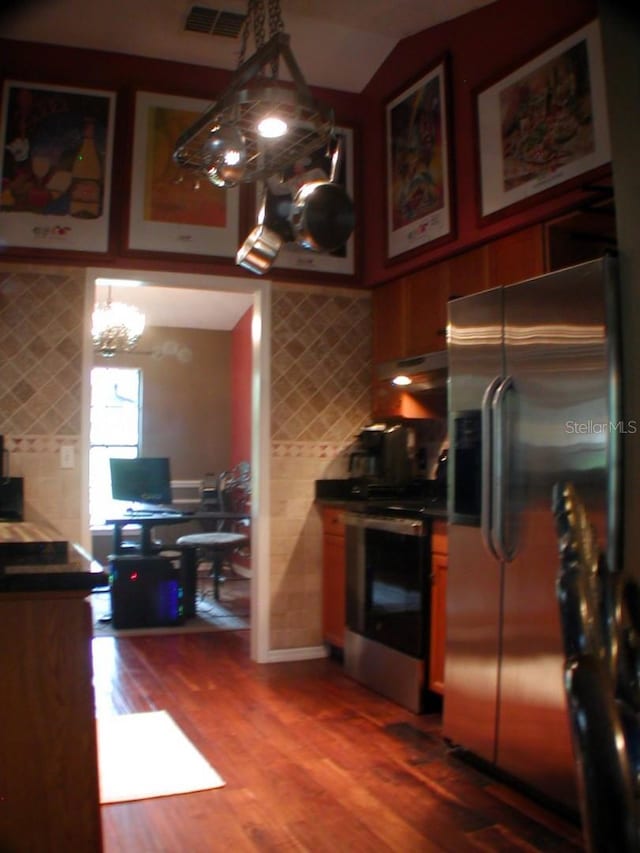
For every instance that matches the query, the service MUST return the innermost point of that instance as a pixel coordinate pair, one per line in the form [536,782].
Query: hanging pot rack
[246,99]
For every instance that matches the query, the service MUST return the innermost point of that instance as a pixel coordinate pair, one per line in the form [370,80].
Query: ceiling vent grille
[213,22]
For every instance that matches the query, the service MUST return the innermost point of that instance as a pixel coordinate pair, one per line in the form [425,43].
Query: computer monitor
[145,480]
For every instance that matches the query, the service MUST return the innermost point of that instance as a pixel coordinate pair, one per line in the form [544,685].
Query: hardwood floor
[312,761]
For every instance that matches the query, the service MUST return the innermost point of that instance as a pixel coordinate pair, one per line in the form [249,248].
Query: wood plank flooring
[312,761]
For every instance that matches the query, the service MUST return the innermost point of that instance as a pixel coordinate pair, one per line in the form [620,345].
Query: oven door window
[395,611]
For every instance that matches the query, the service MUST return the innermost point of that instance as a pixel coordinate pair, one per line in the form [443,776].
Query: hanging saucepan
[322,215]
[260,249]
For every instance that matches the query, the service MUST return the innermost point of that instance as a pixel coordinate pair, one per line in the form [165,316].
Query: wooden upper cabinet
[410,313]
[389,332]
[469,272]
[517,257]
[426,309]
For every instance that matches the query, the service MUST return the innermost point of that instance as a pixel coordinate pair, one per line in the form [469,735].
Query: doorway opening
[212,298]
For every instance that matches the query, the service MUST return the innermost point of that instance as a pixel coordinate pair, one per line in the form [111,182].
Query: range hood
[427,372]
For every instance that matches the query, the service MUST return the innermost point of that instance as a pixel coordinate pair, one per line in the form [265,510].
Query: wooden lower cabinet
[48,755]
[438,636]
[333,577]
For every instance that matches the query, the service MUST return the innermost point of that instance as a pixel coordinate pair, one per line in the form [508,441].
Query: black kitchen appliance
[385,452]
[387,603]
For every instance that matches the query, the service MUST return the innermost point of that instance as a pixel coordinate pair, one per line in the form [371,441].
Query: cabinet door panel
[438,636]
[469,272]
[517,257]
[426,309]
[333,576]
[389,333]
[333,591]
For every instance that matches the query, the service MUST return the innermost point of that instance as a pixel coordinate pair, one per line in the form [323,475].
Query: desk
[188,565]
[148,522]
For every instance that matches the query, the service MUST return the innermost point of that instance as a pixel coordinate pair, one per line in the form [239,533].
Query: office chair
[600,618]
[218,545]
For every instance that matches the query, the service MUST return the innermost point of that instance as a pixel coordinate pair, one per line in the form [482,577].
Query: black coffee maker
[384,453]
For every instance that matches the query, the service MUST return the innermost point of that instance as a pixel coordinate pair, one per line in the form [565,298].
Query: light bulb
[272,127]
[401,380]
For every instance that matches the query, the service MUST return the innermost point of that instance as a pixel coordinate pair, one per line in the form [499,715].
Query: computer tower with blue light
[146,592]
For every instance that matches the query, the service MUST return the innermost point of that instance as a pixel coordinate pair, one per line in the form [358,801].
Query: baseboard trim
[300,653]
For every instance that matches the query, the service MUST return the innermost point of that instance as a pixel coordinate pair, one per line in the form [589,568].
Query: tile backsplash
[320,398]
[41,332]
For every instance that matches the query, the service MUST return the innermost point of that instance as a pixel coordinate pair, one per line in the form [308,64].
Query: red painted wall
[241,364]
[483,46]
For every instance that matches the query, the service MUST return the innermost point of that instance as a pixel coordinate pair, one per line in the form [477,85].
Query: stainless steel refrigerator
[533,398]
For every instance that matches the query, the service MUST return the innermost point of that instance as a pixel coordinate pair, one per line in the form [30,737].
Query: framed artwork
[543,124]
[418,164]
[282,188]
[173,209]
[55,179]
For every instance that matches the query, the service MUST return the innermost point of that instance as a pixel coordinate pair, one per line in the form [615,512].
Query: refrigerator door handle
[500,451]
[487,439]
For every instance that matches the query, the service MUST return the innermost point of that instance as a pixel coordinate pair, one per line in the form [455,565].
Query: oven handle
[401,526]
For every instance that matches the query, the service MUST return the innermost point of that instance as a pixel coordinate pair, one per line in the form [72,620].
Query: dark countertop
[416,501]
[411,509]
[44,564]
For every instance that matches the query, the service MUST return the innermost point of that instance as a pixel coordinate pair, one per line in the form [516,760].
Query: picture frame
[55,167]
[543,124]
[173,209]
[418,163]
[280,191]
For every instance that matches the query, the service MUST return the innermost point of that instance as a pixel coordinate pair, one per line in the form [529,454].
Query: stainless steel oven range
[387,604]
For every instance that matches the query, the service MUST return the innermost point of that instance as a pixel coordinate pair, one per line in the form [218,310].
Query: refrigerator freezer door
[558,428]
[474,575]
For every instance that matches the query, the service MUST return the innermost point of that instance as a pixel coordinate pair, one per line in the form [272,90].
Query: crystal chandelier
[258,127]
[116,327]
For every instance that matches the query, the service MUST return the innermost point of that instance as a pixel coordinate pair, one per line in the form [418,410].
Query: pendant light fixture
[258,126]
[116,327]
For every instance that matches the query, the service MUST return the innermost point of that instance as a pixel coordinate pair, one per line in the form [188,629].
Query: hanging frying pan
[322,215]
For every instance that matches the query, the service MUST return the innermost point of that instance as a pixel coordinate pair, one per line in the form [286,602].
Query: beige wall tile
[320,399]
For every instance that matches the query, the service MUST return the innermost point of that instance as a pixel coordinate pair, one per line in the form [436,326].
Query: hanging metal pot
[322,215]
[260,249]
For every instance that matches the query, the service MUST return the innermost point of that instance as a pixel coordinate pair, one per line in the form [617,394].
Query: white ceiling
[336,43]
[180,307]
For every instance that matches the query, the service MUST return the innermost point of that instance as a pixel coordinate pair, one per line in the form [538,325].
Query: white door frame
[260,423]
